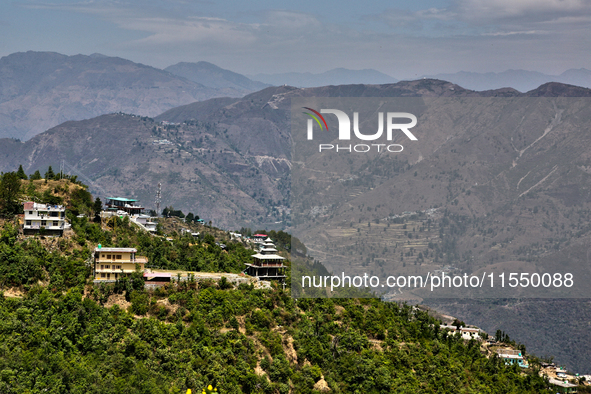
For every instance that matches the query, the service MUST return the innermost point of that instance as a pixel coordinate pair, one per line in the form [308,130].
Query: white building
[146,221]
[50,218]
[466,332]
[512,356]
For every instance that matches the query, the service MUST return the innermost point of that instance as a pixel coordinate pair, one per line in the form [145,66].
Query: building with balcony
[511,356]
[267,264]
[116,263]
[44,218]
[128,205]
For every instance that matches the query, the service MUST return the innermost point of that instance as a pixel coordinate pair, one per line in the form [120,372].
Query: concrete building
[466,332]
[511,356]
[128,205]
[146,221]
[44,218]
[116,263]
[559,386]
[267,264]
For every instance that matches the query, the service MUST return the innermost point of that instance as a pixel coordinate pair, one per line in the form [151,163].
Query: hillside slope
[212,76]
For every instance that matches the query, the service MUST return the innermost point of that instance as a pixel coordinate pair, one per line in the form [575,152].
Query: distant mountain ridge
[39,90]
[212,76]
[337,76]
[522,80]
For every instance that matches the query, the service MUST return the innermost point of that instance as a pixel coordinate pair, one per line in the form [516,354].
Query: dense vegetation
[64,342]
[66,335]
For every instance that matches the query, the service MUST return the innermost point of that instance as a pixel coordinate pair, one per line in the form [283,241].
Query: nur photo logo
[392,120]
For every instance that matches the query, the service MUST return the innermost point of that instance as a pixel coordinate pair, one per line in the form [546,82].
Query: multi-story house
[267,264]
[116,263]
[124,204]
[44,218]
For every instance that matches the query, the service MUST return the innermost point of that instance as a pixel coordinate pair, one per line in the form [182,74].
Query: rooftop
[157,275]
[37,206]
[123,250]
[121,199]
[267,256]
[561,383]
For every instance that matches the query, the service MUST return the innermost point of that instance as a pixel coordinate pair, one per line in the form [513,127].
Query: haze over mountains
[210,75]
[521,80]
[39,90]
[337,76]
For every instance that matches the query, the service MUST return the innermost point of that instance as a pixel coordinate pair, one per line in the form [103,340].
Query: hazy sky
[400,38]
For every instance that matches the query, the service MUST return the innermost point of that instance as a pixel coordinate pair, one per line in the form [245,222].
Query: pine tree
[49,175]
[97,208]
[21,173]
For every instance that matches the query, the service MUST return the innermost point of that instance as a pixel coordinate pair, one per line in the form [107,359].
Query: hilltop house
[115,263]
[146,222]
[466,332]
[511,356]
[559,386]
[123,204]
[267,264]
[45,218]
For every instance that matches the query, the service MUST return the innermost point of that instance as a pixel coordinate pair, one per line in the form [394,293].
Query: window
[103,275]
[118,257]
[109,256]
[44,222]
[107,267]
[55,223]
[28,222]
[102,267]
[30,212]
[103,256]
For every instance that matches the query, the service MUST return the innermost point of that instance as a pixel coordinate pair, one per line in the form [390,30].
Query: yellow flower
[209,387]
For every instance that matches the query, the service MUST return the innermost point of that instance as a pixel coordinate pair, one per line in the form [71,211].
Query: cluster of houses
[111,264]
[559,379]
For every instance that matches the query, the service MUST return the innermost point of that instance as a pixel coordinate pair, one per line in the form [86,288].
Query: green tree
[10,185]
[21,173]
[49,175]
[97,208]
[36,176]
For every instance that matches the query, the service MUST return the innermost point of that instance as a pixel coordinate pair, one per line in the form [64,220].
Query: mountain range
[521,80]
[39,90]
[337,76]
[212,76]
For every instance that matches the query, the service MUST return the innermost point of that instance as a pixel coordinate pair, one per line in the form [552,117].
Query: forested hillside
[60,333]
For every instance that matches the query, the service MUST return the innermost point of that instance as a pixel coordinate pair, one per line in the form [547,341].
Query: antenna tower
[158,198]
